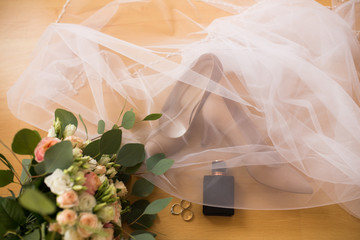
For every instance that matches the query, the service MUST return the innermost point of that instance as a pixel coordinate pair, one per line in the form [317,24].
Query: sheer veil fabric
[269,87]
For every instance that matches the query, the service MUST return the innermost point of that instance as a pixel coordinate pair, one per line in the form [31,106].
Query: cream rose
[58,182]
[75,141]
[109,235]
[107,213]
[86,202]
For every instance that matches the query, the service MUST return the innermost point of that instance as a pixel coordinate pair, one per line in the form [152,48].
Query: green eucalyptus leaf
[65,118]
[132,170]
[83,123]
[93,149]
[58,156]
[101,127]
[36,201]
[24,177]
[142,188]
[6,177]
[157,205]
[110,141]
[153,160]
[137,232]
[143,236]
[162,166]
[131,154]
[25,142]
[128,120]
[11,215]
[152,117]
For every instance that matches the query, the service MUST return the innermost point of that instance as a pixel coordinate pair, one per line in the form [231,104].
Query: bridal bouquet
[75,189]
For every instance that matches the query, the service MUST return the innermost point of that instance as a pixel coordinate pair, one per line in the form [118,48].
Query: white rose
[121,186]
[69,130]
[51,132]
[58,182]
[86,202]
[72,234]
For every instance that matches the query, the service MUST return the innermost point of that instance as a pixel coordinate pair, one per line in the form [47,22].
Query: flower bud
[99,206]
[57,125]
[51,132]
[69,130]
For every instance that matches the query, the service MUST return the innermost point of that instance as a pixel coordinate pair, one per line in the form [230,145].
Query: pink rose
[88,224]
[56,227]
[100,169]
[68,199]
[92,182]
[66,217]
[44,145]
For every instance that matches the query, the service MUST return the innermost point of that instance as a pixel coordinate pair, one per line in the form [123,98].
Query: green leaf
[137,209]
[153,160]
[110,141]
[132,170]
[93,149]
[101,127]
[82,121]
[35,201]
[65,118]
[11,215]
[58,156]
[128,120]
[35,235]
[143,236]
[25,142]
[152,117]
[131,154]
[162,166]
[157,205]
[24,177]
[142,188]
[6,177]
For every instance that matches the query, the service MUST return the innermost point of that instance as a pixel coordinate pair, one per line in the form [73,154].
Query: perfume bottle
[218,189]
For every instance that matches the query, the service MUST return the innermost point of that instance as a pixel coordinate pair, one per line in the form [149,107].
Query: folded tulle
[284,117]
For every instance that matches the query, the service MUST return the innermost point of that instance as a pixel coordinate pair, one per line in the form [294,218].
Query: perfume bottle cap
[218,168]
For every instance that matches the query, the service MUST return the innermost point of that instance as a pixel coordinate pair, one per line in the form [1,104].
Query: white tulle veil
[283,114]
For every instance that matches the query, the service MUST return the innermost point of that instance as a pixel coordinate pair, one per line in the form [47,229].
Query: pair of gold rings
[184,209]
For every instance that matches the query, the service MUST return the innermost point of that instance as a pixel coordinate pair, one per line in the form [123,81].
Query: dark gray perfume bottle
[218,190]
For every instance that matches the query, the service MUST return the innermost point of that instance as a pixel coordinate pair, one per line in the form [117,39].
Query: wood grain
[21,24]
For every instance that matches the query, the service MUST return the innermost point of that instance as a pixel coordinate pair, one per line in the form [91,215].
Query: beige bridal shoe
[182,107]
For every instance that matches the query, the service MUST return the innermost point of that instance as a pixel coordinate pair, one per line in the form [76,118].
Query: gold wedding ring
[187,214]
[185,204]
[176,209]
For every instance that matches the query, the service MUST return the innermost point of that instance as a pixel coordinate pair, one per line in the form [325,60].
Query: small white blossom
[92,164]
[69,130]
[121,186]
[58,182]
[77,152]
[102,178]
[104,160]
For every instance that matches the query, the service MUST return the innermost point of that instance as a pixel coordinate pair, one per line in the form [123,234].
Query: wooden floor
[22,23]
